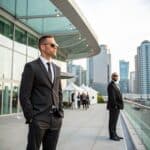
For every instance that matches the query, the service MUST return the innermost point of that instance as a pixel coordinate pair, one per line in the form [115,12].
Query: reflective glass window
[6,92]
[20,35]
[32,41]
[5,63]
[6,28]
[19,62]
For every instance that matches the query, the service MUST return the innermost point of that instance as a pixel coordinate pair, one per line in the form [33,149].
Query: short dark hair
[43,38]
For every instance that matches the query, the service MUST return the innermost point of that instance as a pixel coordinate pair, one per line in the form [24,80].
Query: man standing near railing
[114,104]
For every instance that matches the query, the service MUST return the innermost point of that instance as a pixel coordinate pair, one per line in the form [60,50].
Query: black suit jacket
[115,100]
[37,92]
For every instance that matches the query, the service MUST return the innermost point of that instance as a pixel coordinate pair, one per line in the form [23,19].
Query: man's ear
[42,47]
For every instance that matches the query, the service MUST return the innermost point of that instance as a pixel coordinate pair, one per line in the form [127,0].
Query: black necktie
[49,71]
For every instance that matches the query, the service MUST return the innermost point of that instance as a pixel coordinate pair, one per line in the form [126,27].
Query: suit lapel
[117,89]
[44,70]
[115,86]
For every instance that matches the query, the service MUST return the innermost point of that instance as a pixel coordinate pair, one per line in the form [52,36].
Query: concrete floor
[81,130]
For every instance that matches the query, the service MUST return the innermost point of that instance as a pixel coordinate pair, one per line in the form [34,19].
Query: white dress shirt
[116,84]
[45,61]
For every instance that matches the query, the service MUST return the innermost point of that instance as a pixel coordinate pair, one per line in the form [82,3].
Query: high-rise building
[136,75]
[143,67]
[78,72]
[90,71]
[124,72]
[132,82]
[99,70]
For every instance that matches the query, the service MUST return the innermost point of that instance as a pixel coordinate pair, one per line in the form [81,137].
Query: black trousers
[40,132]
[113,118]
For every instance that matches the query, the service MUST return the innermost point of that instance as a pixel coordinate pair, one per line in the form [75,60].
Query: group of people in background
[82,99]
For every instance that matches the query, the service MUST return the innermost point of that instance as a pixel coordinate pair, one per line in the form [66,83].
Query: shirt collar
[114,81]
[45,61]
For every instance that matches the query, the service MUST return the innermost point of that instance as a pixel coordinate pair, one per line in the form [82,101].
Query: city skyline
[121,25]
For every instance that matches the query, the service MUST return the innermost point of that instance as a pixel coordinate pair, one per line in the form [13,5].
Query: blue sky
[120,24]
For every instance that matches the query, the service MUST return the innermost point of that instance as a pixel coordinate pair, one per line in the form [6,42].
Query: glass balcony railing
[139,116]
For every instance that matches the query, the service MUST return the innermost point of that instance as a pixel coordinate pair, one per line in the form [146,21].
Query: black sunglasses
[52,45]
[115,75]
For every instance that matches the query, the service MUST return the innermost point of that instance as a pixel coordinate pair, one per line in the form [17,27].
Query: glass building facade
[124,73]
[143,60]
[99,70]
[17,47]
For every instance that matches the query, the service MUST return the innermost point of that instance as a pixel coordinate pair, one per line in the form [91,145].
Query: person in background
[41,97]
[114,104]
[78,100]
[87,100]
[84,101]
[73,100]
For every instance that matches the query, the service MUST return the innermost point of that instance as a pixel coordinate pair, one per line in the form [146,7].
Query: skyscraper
[136,75]
[124,72]
[143,67]
[99,70]
[132,82]
[78,72]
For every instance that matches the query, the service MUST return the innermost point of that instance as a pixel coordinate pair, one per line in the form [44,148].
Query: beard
[115,80]
[54,55]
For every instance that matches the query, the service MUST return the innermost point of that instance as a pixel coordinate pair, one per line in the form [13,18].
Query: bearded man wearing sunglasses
[41,97]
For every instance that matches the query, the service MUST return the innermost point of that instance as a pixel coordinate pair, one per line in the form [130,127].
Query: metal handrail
[137,104]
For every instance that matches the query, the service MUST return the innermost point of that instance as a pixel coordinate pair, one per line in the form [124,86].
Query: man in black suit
[114,104]
[41,97]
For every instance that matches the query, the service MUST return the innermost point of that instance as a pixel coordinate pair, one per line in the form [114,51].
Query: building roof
[61,18]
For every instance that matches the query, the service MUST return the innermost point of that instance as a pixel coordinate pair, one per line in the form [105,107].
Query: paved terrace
[82,130]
